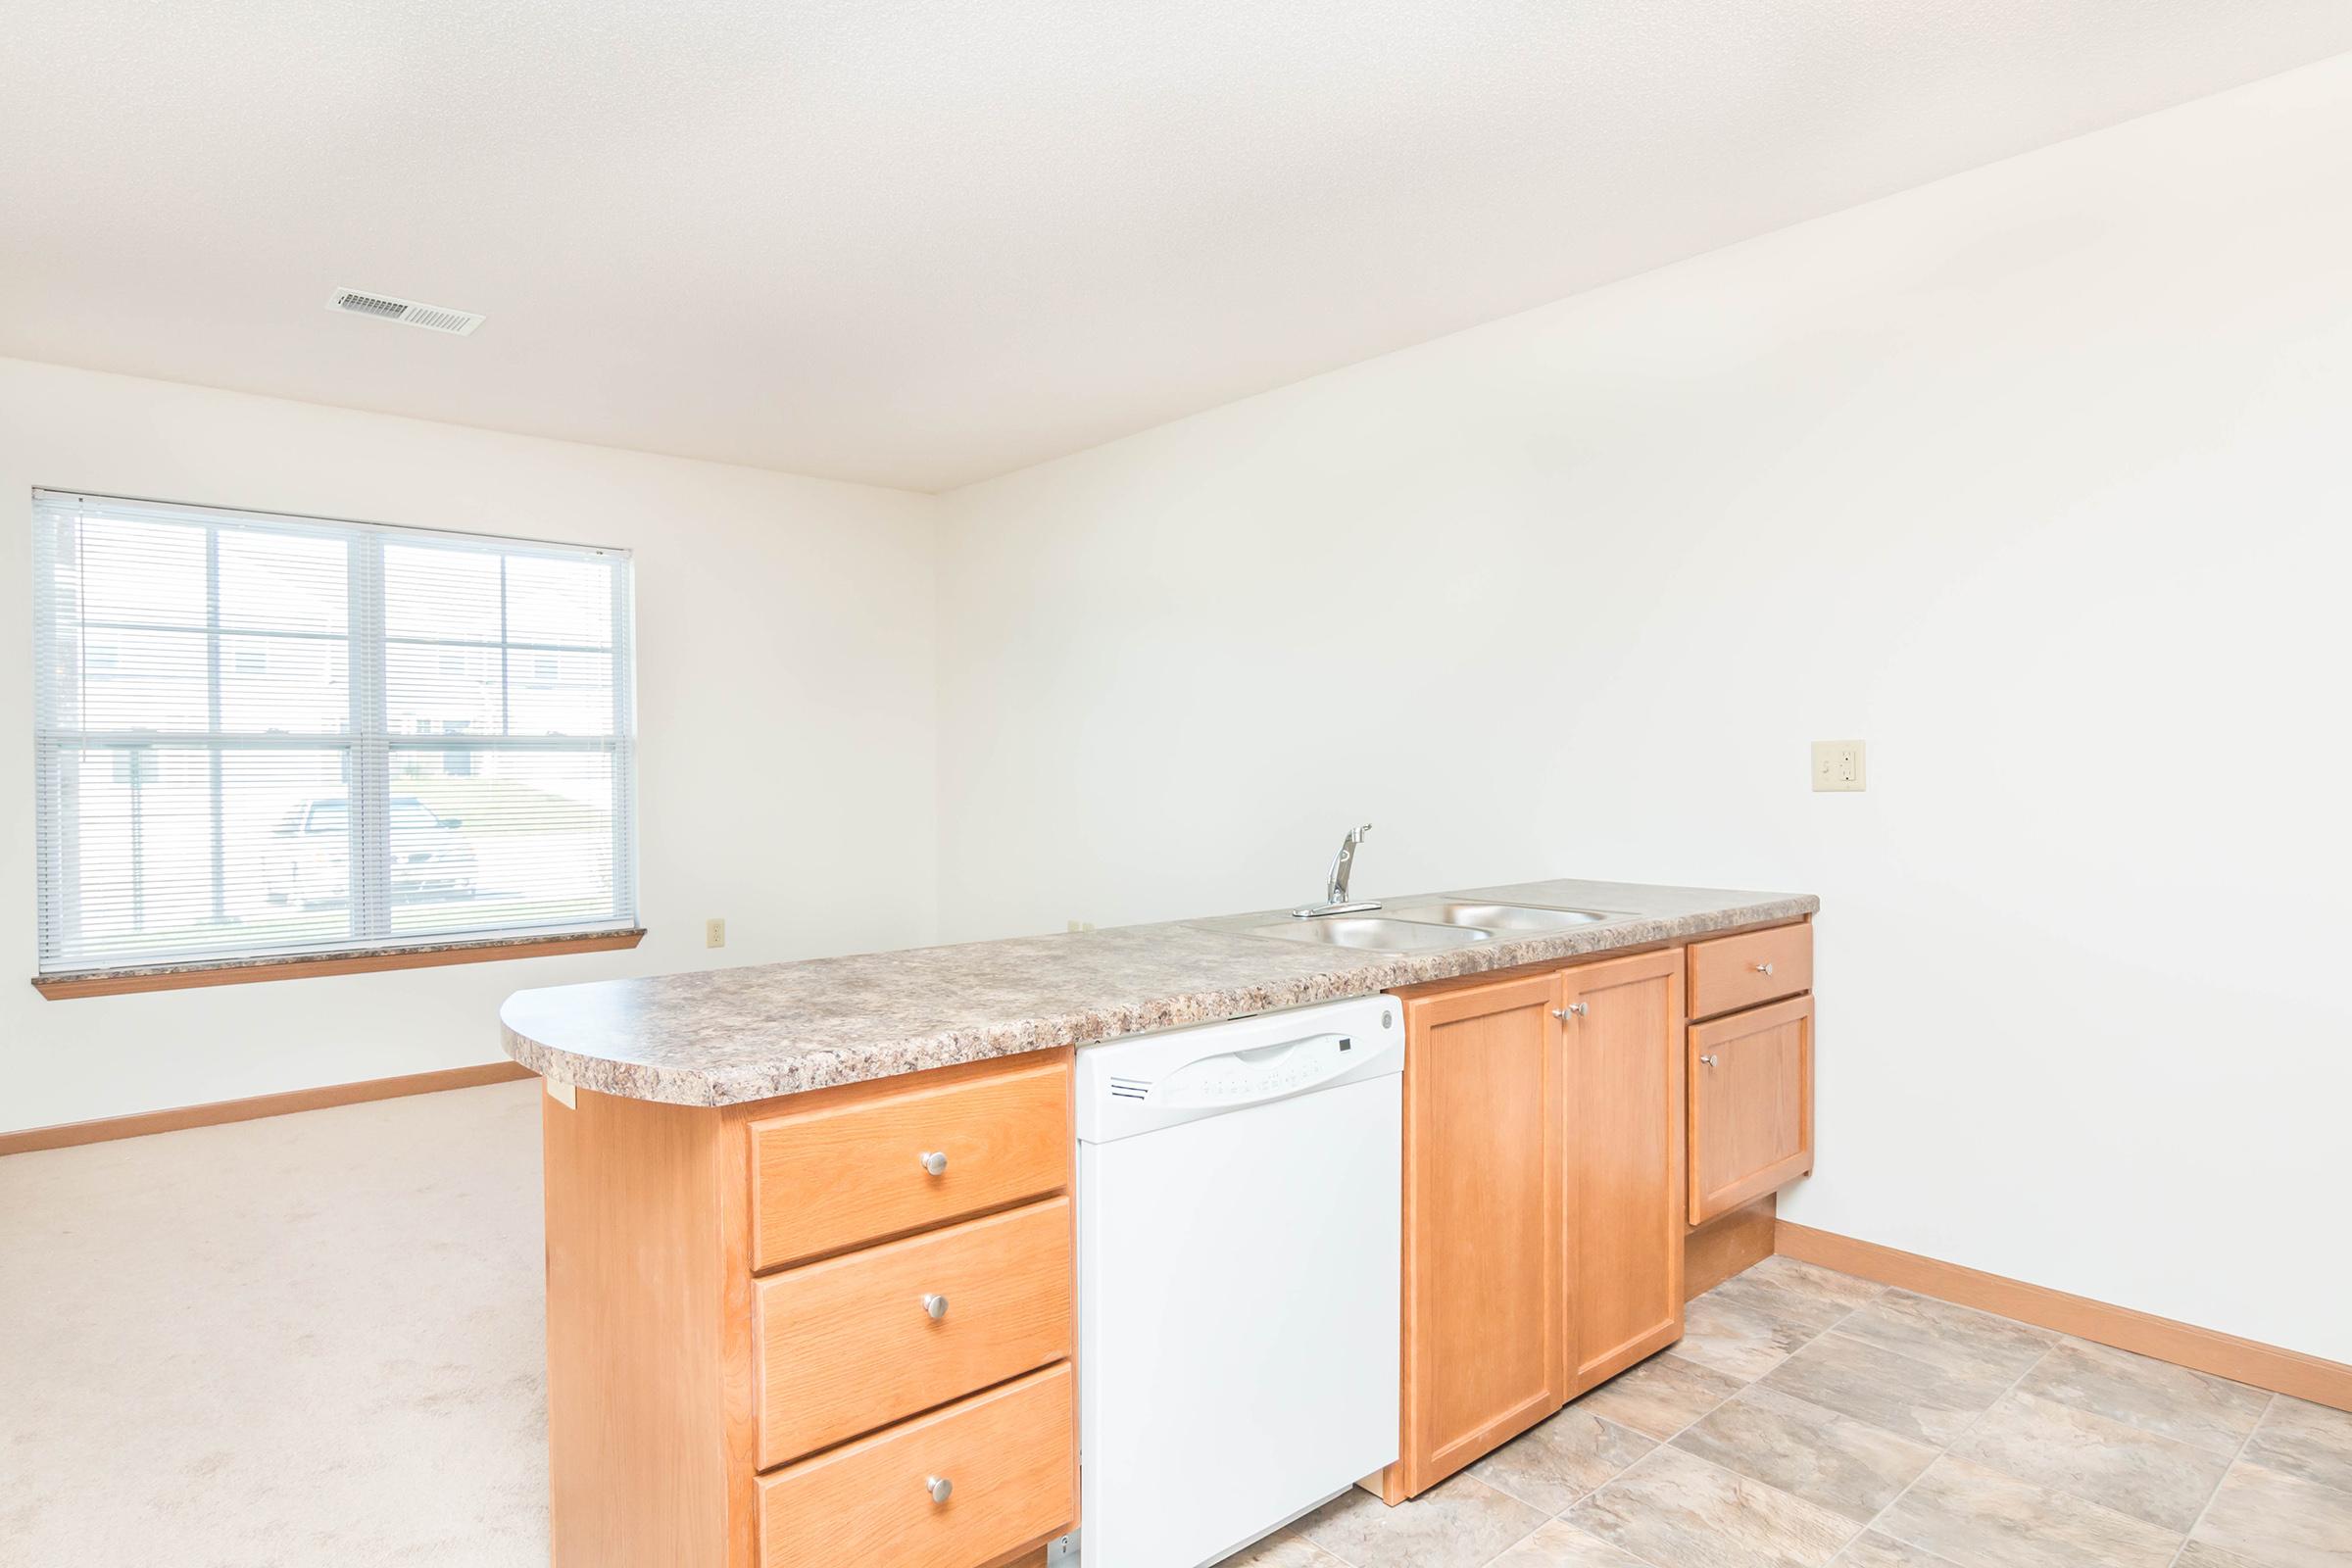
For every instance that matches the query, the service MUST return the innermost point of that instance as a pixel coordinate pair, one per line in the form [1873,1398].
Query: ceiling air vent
[383,307]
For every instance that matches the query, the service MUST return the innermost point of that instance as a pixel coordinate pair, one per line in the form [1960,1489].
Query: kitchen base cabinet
[1542,1198]
[1566,1128]
[1484,1175]
[1625,1163]
[782,1331]
[839,1325]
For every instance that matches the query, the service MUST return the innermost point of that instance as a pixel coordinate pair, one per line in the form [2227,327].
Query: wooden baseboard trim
[1728,1245]
[2264,1366]
[68,1134]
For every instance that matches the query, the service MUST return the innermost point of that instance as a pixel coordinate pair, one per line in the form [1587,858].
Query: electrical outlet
[714,933]
[1839,766]
[1082,925]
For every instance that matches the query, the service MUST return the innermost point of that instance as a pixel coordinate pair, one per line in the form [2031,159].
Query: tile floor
[1809,1419]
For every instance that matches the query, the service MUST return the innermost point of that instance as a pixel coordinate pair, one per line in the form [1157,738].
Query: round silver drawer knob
[936,1163]
[1574,1009]
[1708,1060]
[1763,968]
[940,1487]
[936,1306]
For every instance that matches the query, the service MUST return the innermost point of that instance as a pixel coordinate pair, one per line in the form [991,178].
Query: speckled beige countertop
[719,1037]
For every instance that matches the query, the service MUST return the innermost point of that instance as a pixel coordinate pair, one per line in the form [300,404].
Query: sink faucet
[1334,893]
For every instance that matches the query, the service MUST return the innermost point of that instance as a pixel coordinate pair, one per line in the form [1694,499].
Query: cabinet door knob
[936,1163]
[1574,1009]
[1708,1060]
[936,1306]
[940,1487]
[1764,968]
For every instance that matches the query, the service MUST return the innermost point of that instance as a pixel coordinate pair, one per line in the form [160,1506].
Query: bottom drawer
[1008,1458]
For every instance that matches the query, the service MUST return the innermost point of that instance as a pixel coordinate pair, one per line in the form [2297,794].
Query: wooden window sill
[360,961]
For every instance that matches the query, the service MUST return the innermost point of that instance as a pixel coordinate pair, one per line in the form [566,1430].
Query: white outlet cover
[1839,766]
[714,933]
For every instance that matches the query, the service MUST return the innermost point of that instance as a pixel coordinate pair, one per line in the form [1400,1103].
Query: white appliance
[1237,1276]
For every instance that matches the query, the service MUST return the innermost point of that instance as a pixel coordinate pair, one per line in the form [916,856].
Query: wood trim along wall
[68,1134]
[2264,1366]
[120,982]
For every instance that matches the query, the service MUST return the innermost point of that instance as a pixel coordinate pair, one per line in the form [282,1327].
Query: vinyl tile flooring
[1808,1419]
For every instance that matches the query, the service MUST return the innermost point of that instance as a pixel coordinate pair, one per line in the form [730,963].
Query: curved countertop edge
[723,1037]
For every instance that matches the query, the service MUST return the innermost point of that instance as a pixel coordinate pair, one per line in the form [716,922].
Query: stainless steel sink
[1374,934]
[1506,917]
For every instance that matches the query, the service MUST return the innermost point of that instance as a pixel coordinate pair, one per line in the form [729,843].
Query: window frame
[366,740]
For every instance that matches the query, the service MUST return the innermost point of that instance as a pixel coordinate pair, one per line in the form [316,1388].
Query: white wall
[2034,478]
[2039,479]
[785,692]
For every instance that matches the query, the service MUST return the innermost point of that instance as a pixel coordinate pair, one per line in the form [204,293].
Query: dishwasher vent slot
[1130,1088]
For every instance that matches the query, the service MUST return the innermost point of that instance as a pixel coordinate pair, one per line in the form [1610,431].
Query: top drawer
[844,1174]
[1756,966]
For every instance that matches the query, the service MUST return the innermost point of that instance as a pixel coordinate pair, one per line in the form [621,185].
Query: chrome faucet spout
[1335,891]
[1342,865]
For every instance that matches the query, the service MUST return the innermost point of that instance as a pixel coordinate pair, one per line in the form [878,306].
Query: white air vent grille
[409,312]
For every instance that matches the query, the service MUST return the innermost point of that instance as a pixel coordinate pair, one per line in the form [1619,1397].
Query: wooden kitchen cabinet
[1559,1146]
[1544,1201]
[776,1329]
[1752,1105]
[1485,1180]
[1625,1163]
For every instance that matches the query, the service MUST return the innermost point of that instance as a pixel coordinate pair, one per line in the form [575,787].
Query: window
[266,736]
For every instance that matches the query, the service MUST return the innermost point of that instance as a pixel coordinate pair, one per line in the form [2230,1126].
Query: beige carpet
[309,1341]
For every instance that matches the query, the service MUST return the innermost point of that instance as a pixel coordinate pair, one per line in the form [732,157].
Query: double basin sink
[1430,925]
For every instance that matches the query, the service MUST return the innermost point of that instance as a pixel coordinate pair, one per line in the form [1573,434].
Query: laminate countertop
[721,1037]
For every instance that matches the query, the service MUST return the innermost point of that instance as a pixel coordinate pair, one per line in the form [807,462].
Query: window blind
[260,735]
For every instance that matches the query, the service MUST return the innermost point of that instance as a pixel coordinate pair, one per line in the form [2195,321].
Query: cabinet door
[1625,1163]
[1752,1105]
[1483,1222]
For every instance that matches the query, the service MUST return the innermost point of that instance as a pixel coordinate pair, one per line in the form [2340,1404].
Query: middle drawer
[853,1343]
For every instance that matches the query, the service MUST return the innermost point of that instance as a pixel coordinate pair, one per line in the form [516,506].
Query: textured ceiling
[922,244]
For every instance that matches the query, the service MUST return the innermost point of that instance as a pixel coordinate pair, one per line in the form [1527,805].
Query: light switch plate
[714,933]
[1839,766]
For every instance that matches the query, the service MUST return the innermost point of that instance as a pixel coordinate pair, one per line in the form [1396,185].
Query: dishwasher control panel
[1260,1074]
[1141,1082]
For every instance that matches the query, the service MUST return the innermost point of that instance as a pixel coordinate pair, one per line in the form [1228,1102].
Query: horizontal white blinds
[262,735]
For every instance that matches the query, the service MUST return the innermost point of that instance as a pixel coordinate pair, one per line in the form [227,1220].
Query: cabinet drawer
[1007,1456]
[844,1174]
[849,1344]
[1752,1105]
[1757,966]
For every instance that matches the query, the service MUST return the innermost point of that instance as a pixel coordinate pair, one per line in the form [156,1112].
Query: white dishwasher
[1237,1276]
